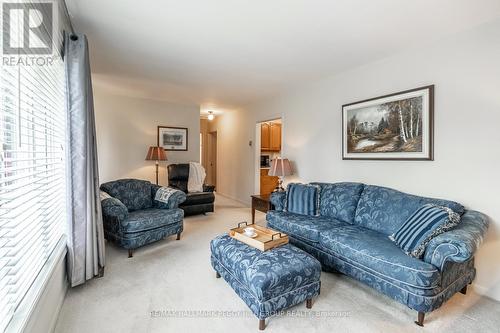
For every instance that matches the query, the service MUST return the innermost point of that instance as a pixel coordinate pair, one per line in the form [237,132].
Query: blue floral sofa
[133,218]
[350,235]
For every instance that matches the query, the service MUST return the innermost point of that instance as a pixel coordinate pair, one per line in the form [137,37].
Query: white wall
[127,126]
[234,155]
[465,69]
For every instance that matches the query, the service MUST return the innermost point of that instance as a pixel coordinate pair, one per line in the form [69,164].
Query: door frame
[212,149]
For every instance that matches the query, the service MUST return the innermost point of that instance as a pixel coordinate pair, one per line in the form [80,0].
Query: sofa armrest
[460,243]
[208,188]
[278,200]
[174,200]
[113,209]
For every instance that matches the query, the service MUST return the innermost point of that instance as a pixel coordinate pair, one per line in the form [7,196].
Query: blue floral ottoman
[268,281]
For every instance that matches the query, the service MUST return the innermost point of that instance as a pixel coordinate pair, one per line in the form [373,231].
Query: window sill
[25,309]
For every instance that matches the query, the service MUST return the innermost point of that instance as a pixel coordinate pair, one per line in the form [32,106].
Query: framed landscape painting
[173,138]
[392,127]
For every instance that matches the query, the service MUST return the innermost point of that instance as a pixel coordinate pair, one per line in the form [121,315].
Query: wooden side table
[261,203]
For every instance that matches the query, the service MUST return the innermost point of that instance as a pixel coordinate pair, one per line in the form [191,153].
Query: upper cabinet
[265,136]
[270,137]
[275,134]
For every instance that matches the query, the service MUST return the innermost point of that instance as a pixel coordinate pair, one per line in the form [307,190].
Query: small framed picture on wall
[173,138]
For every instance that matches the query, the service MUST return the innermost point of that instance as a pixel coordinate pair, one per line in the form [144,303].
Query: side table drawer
[260,205]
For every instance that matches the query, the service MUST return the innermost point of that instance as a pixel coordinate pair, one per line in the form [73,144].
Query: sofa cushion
[378,255]
[277,199]
[302,199]
[135,194]
[303,227]
[385,210]
[152,218]
[339,200]
[426,223]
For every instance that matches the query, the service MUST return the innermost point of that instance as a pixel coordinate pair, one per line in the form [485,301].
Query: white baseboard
[479,289]
[486,292]
[245,203]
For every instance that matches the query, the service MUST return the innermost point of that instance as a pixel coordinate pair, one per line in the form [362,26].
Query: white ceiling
[225,53]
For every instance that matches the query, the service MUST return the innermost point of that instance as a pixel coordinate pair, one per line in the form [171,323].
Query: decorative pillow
[423,225]
[163,194]
[167,197]
[302,199]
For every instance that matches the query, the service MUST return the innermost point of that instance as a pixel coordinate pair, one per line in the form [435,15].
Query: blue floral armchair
[133,218]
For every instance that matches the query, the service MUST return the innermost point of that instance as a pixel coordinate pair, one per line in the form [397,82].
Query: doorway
[212,158]
[268,144]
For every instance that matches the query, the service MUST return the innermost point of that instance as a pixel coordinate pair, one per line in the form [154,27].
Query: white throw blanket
[196,178]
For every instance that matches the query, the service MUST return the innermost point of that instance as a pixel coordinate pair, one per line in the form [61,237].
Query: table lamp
[156,154]
[280,167]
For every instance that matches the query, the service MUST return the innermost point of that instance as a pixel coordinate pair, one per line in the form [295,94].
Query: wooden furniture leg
[260,203]
[309,303]
[130,253]
[464,290]
[262,324]
[420,321]
[178,236]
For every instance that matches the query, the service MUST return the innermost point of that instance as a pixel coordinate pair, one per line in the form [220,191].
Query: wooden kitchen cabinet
[270,137]
[265,136]
[267,183]
[275,134]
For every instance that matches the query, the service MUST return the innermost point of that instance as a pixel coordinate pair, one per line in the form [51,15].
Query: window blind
[32,174]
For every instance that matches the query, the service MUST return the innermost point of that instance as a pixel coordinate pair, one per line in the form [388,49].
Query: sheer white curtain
[85,230]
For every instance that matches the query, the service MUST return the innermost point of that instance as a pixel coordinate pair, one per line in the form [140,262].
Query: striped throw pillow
[302,199]
[426,223]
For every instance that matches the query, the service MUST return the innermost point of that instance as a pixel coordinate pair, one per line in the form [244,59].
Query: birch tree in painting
[390,127]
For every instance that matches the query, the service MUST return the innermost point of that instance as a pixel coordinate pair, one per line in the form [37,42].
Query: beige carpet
[176,276]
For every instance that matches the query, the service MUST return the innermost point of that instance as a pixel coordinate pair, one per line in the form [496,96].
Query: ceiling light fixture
[211,115]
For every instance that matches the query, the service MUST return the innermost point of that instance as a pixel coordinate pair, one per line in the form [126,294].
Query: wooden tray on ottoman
[266,238]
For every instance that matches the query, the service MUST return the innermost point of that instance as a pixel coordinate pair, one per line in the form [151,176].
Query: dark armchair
[133,218]
[197,202]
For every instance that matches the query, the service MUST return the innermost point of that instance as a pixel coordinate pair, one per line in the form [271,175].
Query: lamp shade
[156,154]
[280,167]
